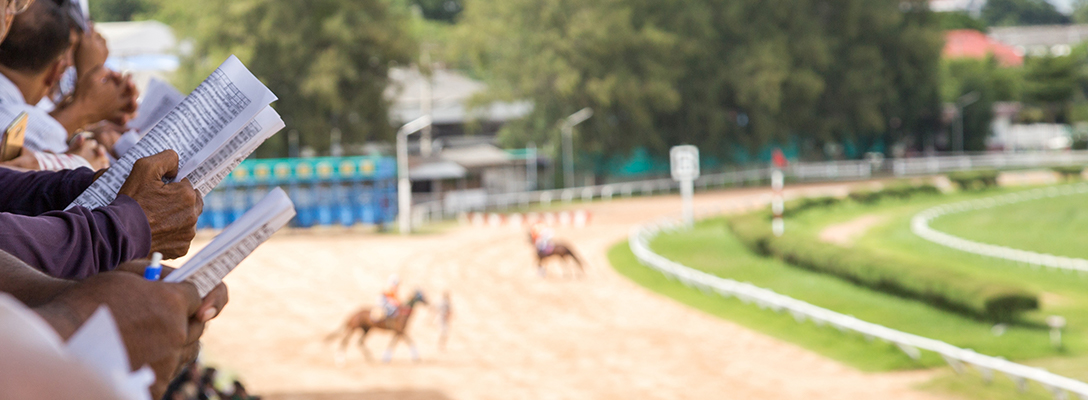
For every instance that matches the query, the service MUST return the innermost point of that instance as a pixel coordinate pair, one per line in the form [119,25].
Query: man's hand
[25,161]
[100,94]
[92,151]
[157,320]
[107,133]
[171,208]
[90,52]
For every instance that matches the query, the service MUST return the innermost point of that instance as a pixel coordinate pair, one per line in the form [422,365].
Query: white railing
[912,345]
[810,172]
[919,224]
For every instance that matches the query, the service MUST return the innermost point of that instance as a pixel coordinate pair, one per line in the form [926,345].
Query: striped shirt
[43,133]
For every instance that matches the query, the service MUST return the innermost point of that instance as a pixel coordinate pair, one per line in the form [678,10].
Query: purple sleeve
[78,243]
[34,193]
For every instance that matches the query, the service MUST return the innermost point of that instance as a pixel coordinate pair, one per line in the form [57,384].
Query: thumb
[162,165]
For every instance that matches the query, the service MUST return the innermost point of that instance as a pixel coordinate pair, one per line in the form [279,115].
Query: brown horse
[560,251]
[362,320]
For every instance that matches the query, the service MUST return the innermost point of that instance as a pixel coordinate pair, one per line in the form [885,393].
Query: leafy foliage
[327,60]
[1022,12]
[719,74]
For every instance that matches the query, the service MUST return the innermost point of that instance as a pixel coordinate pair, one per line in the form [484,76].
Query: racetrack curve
[514,335]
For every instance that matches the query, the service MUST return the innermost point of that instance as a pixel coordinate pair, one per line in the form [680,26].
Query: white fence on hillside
[920,226]
[912,345]
[807,172]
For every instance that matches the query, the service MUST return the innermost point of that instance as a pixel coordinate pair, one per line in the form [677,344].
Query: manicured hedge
[1070,173]
[974,180]
[928,282]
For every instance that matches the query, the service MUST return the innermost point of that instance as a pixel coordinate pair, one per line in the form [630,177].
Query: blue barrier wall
[326,191]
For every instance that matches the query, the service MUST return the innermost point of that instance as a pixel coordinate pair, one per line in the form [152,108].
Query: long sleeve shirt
[71,244]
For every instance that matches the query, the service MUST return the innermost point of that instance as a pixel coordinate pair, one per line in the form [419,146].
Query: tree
[326,60]
[1022,12]
[726,75]
[1051,82]
[990,82]
[119,10]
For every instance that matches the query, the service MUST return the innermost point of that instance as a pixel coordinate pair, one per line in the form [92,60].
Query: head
[418,297]
[11,8]
[36,46]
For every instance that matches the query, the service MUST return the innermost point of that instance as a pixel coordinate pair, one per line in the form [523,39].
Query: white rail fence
[809,172]
[920,226]
[640,237]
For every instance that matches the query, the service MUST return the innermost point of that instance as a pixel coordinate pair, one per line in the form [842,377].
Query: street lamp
[404,185]
[963,101]
[568,147]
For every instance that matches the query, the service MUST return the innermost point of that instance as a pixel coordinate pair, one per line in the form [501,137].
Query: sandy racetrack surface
[514,335]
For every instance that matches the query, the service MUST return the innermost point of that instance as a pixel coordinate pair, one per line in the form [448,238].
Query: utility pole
[530,167]
[568,145]
[426,102]
[404,184]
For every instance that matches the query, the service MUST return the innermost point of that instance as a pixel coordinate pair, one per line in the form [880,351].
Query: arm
[27,284]
[33,193]
[79,242]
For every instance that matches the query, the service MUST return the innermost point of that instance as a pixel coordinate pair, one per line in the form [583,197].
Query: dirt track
[514,335]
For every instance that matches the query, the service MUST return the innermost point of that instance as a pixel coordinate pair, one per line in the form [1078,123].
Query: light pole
[963,101]
[568,147]
[404,185]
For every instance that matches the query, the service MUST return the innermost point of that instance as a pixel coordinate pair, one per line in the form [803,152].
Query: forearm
[26,284]
[72,116]
[34,193]
[78,243]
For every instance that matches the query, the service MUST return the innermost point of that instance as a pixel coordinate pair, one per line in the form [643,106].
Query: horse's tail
[334,334]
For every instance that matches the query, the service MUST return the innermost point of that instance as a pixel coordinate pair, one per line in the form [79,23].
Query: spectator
[161,323]
[147,216]
[32,60]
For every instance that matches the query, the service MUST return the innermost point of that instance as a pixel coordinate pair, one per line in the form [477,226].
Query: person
[147,216]
[542,238]
[32,60]
[239,392]
[445,311]
[160,323]
[388,302]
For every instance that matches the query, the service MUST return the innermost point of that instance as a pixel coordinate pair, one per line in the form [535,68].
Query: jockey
[542,238]
[388,300]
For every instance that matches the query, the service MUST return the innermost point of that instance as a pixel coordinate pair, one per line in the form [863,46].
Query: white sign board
[685,162]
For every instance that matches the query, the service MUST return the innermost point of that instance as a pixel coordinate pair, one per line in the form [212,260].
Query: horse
[559,250]
[362,320]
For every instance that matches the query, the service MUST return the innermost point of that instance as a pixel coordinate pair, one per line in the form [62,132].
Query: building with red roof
[967,43]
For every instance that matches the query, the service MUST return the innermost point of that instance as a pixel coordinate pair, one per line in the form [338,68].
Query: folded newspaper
[208,267]
[219,124]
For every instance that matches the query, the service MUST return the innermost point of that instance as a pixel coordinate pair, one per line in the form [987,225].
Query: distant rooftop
[450,93]
[1041,40]
[967,43]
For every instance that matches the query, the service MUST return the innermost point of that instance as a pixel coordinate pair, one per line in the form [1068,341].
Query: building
[145,49]
[967,43]
[1056,40]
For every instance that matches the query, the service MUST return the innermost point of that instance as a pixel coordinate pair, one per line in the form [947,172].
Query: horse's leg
[412,347]
[540,267]
[388,356]
[339,355]
[362,345]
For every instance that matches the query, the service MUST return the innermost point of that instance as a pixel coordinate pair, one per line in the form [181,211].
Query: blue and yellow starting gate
[326,191]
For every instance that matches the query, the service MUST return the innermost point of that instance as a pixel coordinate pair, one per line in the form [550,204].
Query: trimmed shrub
[974,180]
[1069,173]
[928,282]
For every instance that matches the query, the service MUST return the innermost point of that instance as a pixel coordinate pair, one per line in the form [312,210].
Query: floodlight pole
[404,184]
[568,145]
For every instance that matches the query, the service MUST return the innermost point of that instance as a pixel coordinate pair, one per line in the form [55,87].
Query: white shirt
[43,133]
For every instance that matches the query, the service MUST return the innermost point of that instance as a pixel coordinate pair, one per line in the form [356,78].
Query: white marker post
[778,226]
[685,169]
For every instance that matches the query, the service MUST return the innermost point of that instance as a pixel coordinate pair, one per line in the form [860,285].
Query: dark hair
[37,38]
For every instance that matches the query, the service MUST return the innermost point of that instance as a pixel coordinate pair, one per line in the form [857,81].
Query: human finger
[213,303]
[164,164]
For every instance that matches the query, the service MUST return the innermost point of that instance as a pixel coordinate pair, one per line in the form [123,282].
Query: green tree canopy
[1022,12]
[326,60]
[720,74]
